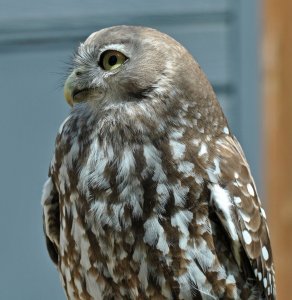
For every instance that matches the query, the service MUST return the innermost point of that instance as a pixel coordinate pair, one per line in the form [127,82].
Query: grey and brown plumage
[149,195]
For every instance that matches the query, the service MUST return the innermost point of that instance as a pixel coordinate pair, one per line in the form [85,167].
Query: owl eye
[112,59]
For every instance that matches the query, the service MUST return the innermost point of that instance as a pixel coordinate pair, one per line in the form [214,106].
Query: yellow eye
[112,59]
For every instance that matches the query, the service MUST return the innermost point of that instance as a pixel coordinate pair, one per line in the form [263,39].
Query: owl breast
[136,223]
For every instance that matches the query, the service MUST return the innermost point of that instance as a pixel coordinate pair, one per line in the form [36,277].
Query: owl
[149,194]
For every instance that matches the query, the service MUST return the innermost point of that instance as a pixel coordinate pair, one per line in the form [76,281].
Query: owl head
[139,77]
[127,63]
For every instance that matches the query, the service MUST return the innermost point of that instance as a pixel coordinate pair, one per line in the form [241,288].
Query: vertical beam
[277,100]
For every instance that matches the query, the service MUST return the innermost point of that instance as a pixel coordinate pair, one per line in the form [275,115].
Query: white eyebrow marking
[117,47]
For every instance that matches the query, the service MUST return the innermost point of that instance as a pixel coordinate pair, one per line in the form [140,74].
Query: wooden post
[277,105]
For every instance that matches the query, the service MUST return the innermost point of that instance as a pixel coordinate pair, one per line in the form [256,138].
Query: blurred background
[245,48]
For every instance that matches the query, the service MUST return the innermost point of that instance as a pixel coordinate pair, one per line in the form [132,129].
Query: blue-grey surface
[36,40]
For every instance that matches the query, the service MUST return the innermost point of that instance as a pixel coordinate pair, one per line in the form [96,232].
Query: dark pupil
[112,60]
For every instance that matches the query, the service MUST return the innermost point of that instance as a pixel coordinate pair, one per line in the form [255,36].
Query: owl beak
[69,88]
[76,90]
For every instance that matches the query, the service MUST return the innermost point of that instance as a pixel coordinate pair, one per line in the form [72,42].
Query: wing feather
[236,202]
[51,219]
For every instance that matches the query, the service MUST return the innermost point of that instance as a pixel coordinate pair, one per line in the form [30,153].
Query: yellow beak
[69,87]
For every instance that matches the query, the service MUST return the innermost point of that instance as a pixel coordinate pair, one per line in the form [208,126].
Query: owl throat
[131,165]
